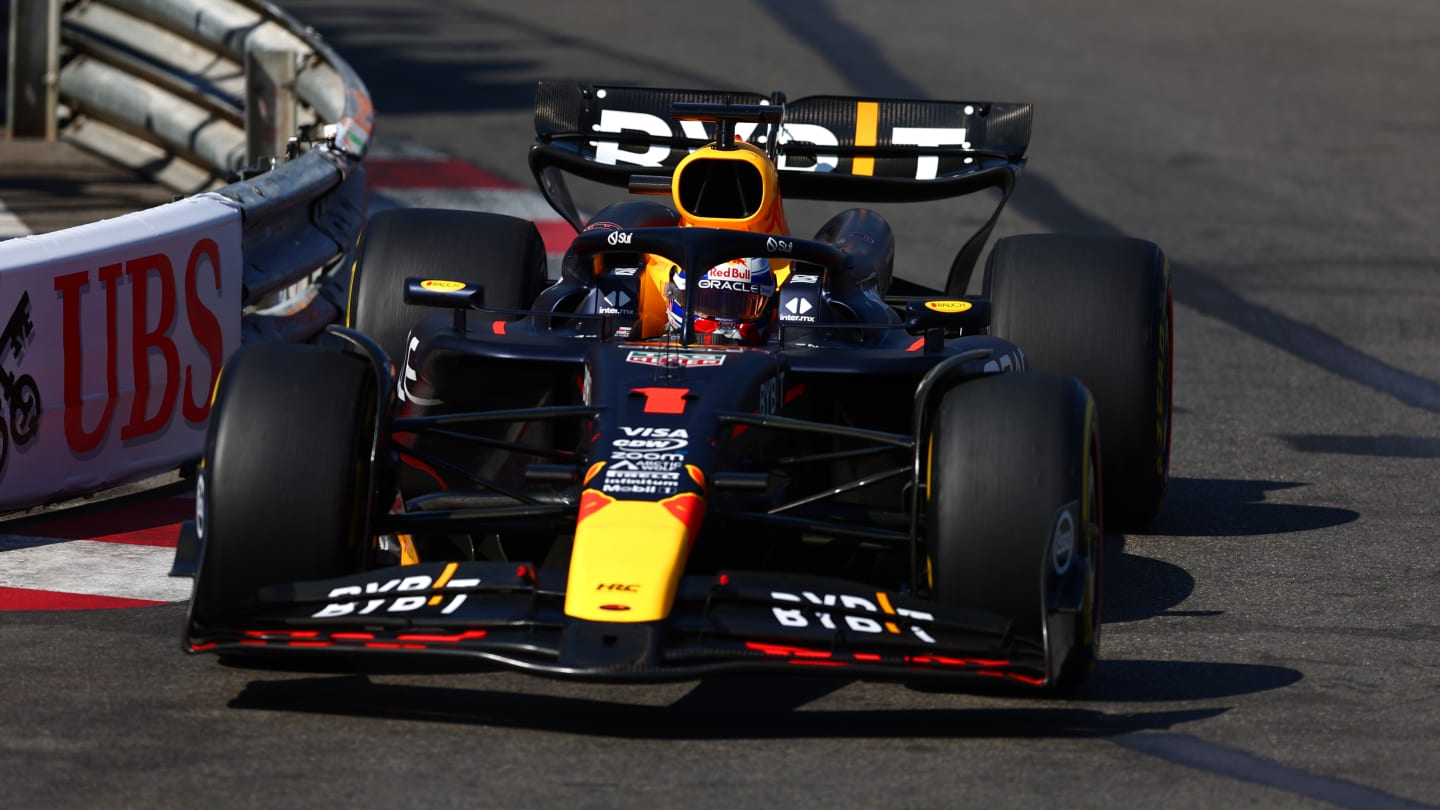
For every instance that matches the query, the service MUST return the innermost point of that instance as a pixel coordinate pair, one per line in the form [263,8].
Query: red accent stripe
[444,173]
[29,599]
[781,649]
[498,327]
[820,658]
[283,633]
[411,461]
[955,662]
[155,522]
[917,345]
[443,639]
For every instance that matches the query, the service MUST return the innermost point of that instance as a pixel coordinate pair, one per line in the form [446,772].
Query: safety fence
[116,330]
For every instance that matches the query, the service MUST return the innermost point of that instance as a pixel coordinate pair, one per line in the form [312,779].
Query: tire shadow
[1137,587]
[735,708]
[1221,507]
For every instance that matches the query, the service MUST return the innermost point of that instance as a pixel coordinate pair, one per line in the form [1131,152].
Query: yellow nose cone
[629,556]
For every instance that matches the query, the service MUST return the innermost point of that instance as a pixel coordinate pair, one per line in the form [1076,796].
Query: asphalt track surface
[1273,641]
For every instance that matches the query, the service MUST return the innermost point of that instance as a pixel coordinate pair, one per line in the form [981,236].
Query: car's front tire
[1012,510]
[283,491]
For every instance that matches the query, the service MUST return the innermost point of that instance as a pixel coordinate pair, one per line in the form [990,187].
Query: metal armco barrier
[117,330]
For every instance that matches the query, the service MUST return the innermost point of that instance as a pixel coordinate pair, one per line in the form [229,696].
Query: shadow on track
[1136,587]
[1217,507]
[1380,446]
[768,708]
[1139,587]
[740,708]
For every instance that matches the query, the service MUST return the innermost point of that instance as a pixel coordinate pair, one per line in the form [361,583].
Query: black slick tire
[282,494]
[504,253]
[1010,457]
[1098,308]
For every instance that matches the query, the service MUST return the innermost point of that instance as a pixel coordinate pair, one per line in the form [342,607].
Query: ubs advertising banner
[114,336]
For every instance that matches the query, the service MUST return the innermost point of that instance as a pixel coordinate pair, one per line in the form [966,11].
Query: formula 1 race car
[711,446]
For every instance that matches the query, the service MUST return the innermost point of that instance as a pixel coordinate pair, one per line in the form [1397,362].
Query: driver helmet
[730,300]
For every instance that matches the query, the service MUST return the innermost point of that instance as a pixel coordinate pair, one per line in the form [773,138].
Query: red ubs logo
[144,339]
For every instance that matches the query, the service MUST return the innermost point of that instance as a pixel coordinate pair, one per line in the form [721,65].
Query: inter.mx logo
[19,395]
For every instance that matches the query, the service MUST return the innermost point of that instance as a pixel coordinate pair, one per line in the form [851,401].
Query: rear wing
[840,148]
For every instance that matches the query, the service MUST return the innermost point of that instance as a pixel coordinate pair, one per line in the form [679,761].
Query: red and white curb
[121,556]
[406,175]
[108,558]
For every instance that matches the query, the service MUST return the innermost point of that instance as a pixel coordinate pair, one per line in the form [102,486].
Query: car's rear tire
[1098,308]
[504,253]
[1012,462]
[283,491]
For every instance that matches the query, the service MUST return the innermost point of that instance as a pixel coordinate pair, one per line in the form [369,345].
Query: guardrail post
[270,121]
[31,92]
[270,118]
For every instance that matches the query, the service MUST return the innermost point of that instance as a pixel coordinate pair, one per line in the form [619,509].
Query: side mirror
[435,292]
[948,314]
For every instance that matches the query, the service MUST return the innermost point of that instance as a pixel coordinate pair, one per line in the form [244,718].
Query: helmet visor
[736,291]
[729,300]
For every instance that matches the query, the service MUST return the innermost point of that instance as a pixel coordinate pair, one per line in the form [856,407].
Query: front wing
[736,621]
